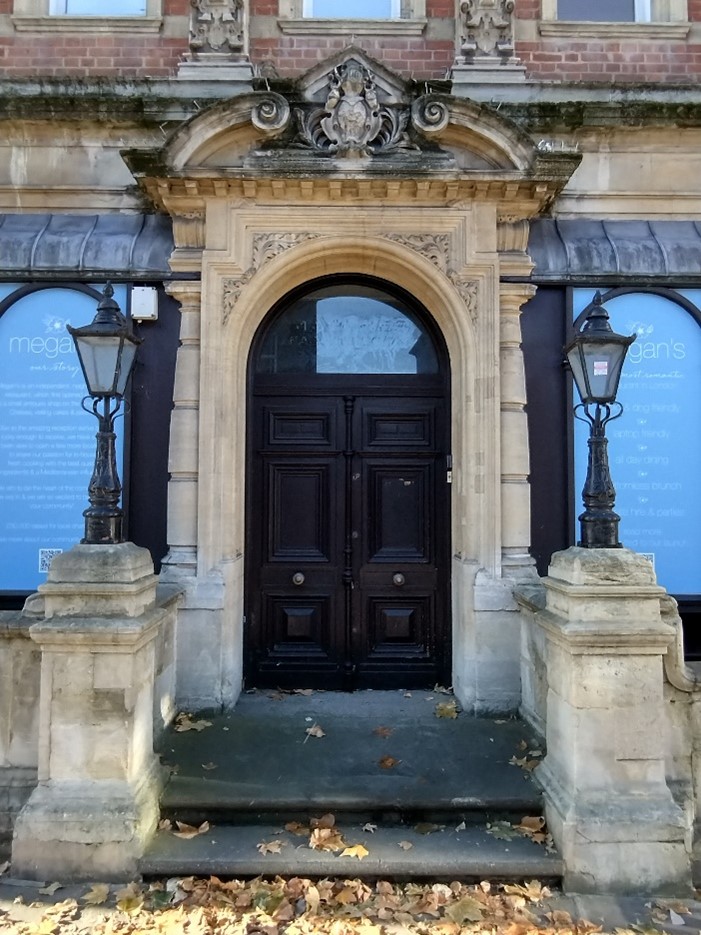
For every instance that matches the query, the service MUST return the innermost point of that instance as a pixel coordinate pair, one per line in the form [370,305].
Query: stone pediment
[390,88]
[351,117]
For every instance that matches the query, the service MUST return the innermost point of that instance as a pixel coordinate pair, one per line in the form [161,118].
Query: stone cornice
[517,196]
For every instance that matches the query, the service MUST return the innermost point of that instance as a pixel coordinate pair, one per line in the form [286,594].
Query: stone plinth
[96,802]
[608,806]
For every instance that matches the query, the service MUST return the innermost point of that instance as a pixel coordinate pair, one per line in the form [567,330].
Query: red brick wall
[416,58]
[563,59]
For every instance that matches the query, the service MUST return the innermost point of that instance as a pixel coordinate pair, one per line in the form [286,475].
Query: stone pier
[101,629]
[601,639]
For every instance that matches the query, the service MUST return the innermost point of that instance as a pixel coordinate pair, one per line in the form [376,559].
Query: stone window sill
[576,29]
[352,27]
[87,23]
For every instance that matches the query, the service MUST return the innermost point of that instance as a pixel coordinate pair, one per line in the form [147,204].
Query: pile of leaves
[303,907]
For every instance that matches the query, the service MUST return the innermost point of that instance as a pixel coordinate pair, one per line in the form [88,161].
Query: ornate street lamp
[596,355]
[106,350]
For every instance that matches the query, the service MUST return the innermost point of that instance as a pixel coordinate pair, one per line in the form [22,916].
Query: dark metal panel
[120,245]
[543,327]
[592,251]
[151,406]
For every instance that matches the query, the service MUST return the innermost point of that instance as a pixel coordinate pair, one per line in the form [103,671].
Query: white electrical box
[144,303]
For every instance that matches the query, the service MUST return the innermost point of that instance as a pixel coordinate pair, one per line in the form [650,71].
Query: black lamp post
[106,349]
[596,355]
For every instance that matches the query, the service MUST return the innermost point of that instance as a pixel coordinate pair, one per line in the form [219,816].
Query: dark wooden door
[347,570]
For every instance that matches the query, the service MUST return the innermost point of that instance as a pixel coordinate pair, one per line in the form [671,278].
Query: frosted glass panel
[350,329]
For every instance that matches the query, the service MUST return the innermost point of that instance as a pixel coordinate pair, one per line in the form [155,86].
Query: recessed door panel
[399,496]
[299,511]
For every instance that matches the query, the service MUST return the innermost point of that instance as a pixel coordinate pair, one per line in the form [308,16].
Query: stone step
[193,801]
[445,854]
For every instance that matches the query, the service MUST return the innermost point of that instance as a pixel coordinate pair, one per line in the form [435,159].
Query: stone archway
[444,216]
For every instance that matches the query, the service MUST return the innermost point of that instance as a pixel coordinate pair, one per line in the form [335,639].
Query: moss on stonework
[166,103]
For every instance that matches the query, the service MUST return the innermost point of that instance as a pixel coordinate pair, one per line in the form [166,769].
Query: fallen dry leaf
[383,731]
[531,824]
[303,691]
[326,839]
[296,827]
[356,850]
[447,709]
[186,832]
[97,894]
[271,847]
[51,889]
[209,766]
[184,722]
[388,762]
[314,731]
[165,824]
[405,845]
[369,827]
[533,890]
[465,910]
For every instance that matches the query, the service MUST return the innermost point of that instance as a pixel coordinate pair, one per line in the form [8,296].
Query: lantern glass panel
[603,363]
[99,356]
[125,364]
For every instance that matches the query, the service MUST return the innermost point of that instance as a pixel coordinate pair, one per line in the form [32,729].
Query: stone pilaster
[515,464]
[607,802]
[96,802]
[181,560]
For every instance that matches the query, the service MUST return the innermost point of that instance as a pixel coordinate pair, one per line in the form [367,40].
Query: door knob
[398,580]
[298,578]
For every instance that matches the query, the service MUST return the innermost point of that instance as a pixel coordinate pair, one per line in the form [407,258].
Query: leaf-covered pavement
[328,907]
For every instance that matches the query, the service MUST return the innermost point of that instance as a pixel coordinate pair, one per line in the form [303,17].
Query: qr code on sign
[45,556]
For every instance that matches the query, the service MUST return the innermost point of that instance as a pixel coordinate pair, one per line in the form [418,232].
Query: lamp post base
[599,530]
[103,528]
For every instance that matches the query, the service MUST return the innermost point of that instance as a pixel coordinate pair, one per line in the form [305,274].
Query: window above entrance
[353,18]
[348,329]
[353,9]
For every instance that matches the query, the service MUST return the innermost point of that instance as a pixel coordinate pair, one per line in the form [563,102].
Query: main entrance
[348,493]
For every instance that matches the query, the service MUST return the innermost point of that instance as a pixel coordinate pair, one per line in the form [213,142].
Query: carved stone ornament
[468,290]
[216,26]
[487,28]
[434,247]
[352,123]
[265,247]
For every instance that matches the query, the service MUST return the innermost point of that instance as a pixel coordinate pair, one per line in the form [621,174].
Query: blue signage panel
[655,447]
[47,442]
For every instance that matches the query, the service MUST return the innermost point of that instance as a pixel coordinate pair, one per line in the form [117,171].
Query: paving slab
[387,751]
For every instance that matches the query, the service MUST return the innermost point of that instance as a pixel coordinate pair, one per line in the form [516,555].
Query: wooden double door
[348,513]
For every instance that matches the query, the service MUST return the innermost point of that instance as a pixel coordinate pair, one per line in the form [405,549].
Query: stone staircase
[426,796]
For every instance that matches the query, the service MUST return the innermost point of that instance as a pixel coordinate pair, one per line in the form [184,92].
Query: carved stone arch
[474,398]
